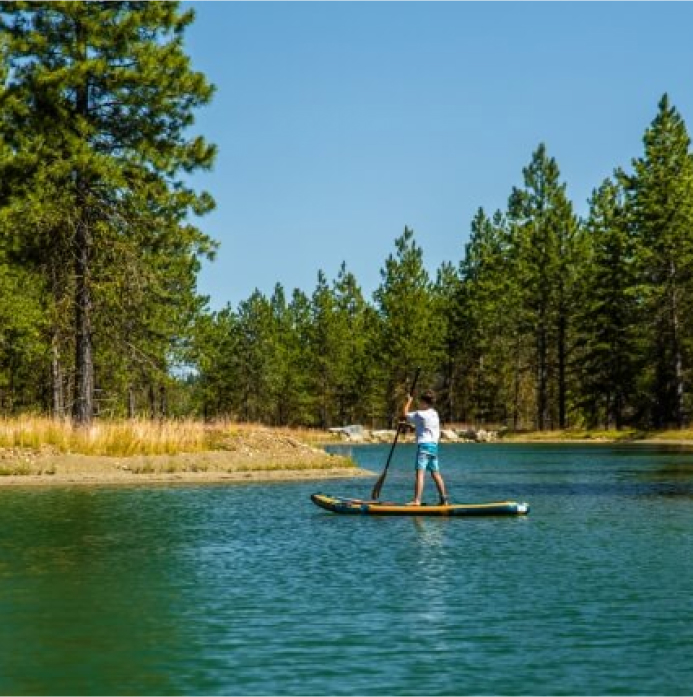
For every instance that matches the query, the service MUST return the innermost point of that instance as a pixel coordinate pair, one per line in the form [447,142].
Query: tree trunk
[661,417]
[84,359]
[57,381]
[618,411]
[57,395]
[152,402]
[562,371]
[677,357]
[131,402]
[516,385]
[542,376]
[163,402]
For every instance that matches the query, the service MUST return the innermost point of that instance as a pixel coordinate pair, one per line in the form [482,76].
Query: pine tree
[338,349]
[481,271]
[355,369]
[22,346]
[325,349]
[213,354]
[660,201]
[22,321]
[486,325]
[96,109]
[295,400]
[404,303]
[543,229]
[608,315]
[445,292]
[256,357]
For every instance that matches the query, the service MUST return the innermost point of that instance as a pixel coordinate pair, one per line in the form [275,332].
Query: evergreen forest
[548,320]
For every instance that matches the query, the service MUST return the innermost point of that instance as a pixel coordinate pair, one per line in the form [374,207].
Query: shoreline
[185,478]
[26,467]
[539,441]
[597,441]
[258,455]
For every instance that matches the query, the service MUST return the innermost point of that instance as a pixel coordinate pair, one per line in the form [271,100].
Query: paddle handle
[375,494]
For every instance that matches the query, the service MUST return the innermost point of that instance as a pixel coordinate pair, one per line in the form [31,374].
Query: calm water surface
[253,590]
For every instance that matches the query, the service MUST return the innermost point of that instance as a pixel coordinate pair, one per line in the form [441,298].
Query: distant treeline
[548,321]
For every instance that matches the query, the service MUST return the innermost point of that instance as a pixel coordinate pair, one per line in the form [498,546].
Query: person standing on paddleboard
[427,424]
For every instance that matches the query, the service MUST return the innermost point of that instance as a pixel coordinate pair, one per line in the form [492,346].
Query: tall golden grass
[173,437]
[116,438]
[134,437]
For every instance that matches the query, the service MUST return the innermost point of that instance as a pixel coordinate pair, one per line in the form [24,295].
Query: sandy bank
[209,477]
[256,456]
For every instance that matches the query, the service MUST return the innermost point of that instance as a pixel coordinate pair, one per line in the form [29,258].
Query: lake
[251,589]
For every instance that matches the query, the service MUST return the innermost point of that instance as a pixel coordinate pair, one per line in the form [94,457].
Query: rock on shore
[359,434]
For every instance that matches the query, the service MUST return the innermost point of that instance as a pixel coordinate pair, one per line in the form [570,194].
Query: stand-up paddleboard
[339,504]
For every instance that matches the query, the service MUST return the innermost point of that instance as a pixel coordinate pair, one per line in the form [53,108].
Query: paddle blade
[375,494]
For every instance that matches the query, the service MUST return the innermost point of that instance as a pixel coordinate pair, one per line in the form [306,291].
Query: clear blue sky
[340,123]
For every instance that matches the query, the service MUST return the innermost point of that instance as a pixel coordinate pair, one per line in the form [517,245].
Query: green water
[253,590]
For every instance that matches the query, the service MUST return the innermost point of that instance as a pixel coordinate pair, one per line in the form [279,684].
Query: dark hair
[428,396]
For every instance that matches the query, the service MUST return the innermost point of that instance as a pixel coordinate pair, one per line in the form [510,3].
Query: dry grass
[117,438]
[675,434]
[577,434]
[128,451]
[142,437]
[612,435]
[311,436]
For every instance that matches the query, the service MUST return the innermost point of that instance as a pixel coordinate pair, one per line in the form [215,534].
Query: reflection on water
[676,469]
[253,590]
[83,584]
[671,475]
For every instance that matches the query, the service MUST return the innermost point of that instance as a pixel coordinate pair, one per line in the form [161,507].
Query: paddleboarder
[427,424]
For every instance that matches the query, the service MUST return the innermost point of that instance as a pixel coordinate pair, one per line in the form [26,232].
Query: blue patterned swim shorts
[427,457]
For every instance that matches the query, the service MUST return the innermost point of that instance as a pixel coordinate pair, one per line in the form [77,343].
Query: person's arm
[407,406]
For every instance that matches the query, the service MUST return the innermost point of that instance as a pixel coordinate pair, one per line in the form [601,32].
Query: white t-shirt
[427,425]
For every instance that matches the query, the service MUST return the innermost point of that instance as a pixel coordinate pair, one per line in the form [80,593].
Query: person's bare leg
[440,484]
[418,488]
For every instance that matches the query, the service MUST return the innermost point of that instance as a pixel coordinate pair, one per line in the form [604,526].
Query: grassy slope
[40,446]
[623,436]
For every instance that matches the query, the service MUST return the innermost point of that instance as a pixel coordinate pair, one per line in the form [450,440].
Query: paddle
[375,494]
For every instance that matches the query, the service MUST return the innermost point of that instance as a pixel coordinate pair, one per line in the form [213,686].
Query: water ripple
[252,590]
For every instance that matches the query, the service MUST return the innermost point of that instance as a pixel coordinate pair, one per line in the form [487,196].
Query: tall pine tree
[660,200]
[96,111]
[543,230]
[404,302]
[608,311]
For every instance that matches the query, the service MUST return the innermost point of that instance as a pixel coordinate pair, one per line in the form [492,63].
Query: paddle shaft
[375,494]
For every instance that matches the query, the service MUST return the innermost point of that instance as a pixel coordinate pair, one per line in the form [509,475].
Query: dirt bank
[250,456]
